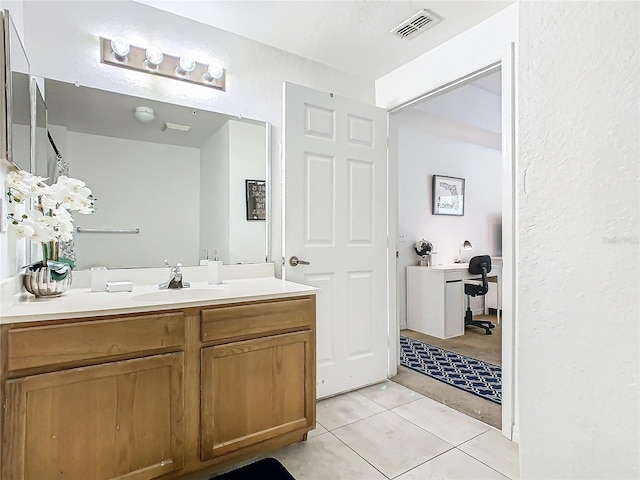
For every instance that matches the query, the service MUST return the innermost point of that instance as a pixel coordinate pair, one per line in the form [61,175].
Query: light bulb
[154,56]
[215,70]
[187,63]
[120,47]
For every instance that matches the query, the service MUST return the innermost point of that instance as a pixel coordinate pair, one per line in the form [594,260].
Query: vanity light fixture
[154,56]
[187,64]
[119,53]
[120,48]
[214,72]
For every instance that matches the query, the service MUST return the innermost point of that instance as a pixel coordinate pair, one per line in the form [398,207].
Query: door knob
[294,261]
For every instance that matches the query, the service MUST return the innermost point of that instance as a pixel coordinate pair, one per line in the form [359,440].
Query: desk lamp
[465,246]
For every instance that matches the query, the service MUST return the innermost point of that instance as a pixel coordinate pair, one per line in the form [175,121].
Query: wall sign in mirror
[448,195]
[256,199]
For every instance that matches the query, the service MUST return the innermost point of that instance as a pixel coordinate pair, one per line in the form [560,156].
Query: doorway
[494,236]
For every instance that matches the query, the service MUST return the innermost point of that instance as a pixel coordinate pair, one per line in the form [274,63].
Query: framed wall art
[448,195]
[256,199]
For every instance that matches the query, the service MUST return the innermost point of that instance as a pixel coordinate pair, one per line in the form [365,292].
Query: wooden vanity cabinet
[258,377]
[94,398]
[120,419]
[156,395]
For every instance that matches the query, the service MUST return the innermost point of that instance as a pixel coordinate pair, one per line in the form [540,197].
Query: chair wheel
[488,332]
[491,325]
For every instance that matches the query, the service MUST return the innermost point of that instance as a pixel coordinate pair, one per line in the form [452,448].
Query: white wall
[214,194]
[246,162]
[420,156]
[579,217]
[255,71]
[468,105]
[137,185]
[235,153]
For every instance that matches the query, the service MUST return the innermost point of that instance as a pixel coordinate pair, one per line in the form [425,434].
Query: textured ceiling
[352,36]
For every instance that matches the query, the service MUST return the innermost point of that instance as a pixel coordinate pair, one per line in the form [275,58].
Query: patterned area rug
[475,376]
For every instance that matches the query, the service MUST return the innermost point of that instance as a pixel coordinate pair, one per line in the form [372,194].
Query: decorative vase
[38,280]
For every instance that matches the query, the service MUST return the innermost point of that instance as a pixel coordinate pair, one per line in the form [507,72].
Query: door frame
[505,63]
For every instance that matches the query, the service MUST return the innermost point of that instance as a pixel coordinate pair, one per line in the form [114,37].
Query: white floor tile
[390,443]
[325,458]
[344,409]
[452,465]
[319,430]
[449,424]
[390,394]
[496,451]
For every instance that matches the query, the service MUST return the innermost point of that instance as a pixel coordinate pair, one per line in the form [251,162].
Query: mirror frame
[7,144]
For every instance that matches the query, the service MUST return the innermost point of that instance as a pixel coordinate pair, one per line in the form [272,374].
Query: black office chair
[478,265]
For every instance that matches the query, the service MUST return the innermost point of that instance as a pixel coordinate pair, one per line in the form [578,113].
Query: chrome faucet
[175,278]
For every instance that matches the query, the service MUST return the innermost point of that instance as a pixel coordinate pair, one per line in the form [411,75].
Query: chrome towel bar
[107,230]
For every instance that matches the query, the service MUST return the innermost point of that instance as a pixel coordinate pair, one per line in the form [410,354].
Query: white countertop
[81,302]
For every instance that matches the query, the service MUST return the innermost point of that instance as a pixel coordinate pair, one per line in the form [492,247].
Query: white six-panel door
[335,204]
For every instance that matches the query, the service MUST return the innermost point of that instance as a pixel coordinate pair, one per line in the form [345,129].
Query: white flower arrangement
[50,220]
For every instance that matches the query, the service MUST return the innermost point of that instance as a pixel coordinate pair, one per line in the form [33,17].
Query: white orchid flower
[50,220]
[23,231]
[22,185]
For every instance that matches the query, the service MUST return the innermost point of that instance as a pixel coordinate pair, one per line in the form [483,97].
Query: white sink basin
[178,295]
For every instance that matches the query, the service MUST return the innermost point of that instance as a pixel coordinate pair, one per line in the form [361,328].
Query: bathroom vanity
[156,384]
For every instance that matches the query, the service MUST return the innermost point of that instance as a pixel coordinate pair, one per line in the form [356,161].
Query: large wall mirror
[17,147]
[170,181]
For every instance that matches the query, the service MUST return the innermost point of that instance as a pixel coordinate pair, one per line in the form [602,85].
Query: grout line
[435,434]
[350,448]
[427,461]
[472,438]
[358,419]
[486,464]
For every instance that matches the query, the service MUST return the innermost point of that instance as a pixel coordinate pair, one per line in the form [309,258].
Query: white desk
[436,299]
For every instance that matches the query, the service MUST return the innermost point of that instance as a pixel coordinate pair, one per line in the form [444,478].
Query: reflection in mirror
[176,176]
[18,98]
[41,143]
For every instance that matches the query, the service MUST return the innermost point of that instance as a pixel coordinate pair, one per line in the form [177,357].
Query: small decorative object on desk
[424,249]
[48,223]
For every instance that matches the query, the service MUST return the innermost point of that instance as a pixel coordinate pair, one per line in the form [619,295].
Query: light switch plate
[4,224]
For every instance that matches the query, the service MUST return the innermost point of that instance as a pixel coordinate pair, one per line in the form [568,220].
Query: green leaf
[60,268]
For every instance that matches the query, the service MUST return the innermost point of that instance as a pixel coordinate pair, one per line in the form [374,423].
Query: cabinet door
[256,390]
[116,420]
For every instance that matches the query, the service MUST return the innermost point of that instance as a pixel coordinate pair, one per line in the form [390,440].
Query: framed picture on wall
[448,195]
[256,199]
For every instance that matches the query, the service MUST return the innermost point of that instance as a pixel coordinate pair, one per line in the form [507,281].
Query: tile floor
[388,431]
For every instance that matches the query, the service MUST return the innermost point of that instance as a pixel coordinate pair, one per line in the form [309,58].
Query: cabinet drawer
[250,320]
[452,276]
[93,339]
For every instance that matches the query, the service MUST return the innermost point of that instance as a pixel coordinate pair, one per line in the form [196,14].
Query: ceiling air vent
[416,24]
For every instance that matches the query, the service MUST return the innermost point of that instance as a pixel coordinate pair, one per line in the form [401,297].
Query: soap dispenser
[205,260]
[214,270]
